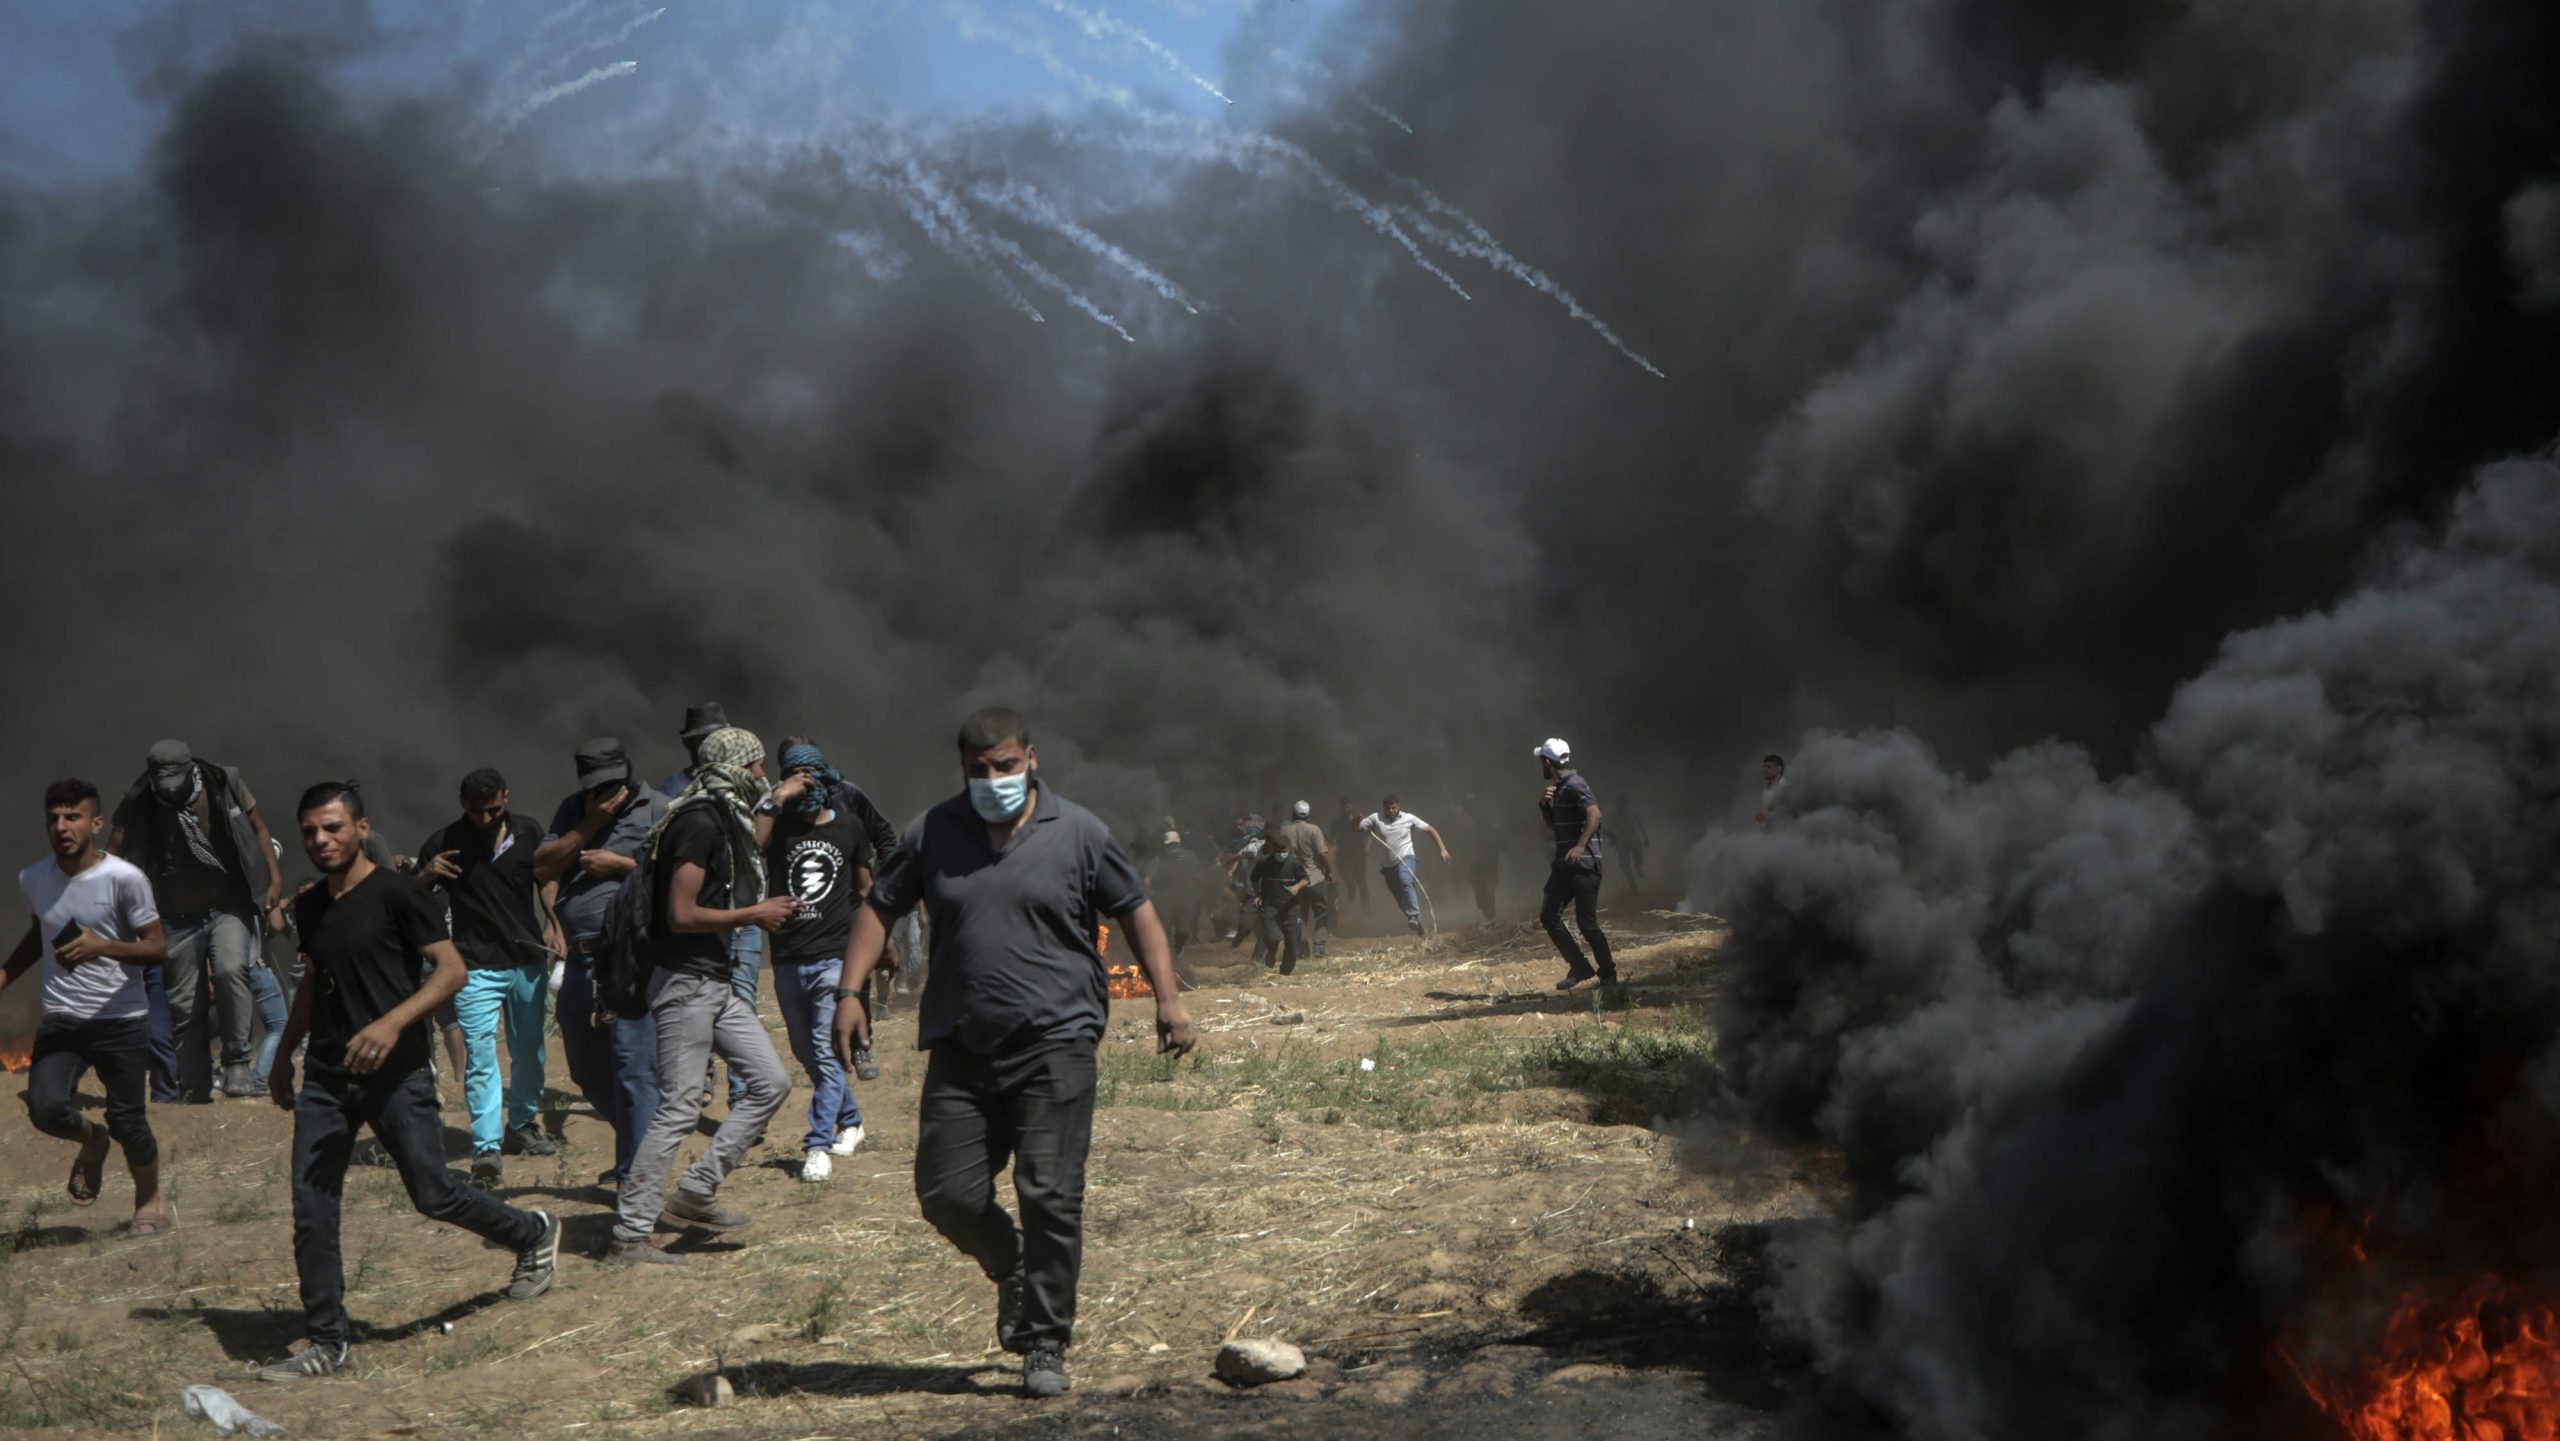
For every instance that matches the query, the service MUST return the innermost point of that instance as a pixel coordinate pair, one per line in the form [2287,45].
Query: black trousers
[1281,931]
[1037,1110]
[404,1116]
[1485,881]
[1578,886]
[120,1051]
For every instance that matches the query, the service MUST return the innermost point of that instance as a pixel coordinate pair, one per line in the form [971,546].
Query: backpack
[623,957]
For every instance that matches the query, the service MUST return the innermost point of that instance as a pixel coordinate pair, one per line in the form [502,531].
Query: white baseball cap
[1302,810]
[1555,750]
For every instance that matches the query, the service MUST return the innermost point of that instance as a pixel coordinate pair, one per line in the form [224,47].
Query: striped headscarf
[720,779]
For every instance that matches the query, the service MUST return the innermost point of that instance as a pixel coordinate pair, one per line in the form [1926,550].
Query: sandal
[88,1171]
[153,1225]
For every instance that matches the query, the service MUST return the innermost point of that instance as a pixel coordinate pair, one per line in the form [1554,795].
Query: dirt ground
[1459,1192]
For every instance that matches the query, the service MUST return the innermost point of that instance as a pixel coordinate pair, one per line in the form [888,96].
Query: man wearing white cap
[1572,813]
[1307,839]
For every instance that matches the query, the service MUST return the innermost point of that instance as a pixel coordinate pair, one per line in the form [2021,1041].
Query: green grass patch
[1630,1072]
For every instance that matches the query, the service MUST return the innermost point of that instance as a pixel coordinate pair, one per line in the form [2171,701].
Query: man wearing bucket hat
[1572,814]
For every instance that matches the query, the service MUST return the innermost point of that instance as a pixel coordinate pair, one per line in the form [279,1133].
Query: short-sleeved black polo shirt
[1014,967]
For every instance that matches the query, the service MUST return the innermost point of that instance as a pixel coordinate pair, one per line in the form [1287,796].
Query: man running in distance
[1572,814]
[94,922]
[1018,880]
[1392,827]
[362,1004]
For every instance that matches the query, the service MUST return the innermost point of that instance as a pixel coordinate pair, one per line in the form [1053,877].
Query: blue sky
[744,69]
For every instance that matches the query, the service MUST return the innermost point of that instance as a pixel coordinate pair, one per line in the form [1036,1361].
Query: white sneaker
[816,1166]
[846,1140]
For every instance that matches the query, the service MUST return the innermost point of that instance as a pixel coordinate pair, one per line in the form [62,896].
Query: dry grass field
[1484,1230]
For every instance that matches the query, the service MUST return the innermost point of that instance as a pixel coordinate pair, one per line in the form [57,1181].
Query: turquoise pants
[513,1000]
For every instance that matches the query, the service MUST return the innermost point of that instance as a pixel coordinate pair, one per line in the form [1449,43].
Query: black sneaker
[313,1360]
[640,1253]
[535,1263]
[864,1067]
[528,1140]
[1044,1370]
[1575,977]
[1009,1312]
[611,1180]
[487,1170]
[705,1212]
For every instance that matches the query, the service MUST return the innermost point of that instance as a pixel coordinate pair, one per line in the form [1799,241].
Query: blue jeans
[164,1040]
[511,999]
[806,992]
[1403,885]
[746,961]
[615,1066]
[270,997]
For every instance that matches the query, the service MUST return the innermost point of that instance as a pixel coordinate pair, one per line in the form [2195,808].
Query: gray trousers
[698,1018]
[222,944]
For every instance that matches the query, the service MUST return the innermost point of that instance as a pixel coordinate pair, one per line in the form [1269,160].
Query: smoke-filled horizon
[1964,384]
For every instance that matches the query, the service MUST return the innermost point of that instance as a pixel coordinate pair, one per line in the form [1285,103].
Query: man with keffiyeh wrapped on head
[823,842]
[707,859]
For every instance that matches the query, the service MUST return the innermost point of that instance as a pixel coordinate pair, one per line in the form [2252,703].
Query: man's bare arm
[30,946]
[688,916]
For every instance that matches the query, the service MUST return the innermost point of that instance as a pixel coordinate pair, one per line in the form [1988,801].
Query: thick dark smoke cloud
[2103,1054]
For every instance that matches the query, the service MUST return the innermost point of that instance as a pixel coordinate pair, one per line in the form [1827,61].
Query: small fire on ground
[2479,1365]
[1128,983]
[17,1053]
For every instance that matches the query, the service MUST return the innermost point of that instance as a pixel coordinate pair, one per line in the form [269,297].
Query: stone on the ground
[709,1389]
[1259,1363]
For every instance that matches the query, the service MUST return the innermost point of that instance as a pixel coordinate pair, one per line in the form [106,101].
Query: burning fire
[1127,982]
[17,1053]
[2481,1366]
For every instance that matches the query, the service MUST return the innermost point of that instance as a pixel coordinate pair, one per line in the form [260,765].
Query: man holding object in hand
[1017,880]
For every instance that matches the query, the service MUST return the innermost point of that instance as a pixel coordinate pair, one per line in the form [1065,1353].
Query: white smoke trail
[534,42]
[553,95]
[1479,244]
[1310,68]
[1033,208]
[987,244]
[622,32]
[1272,158]
[1098,23]
[974,26]
[1382,112]
[947,225]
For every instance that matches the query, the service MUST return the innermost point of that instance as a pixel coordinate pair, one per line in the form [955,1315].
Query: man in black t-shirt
[483,865]
[707,861]
[1572,814]
[363,1003]
[822,840]
[1018,880]
[1280,880]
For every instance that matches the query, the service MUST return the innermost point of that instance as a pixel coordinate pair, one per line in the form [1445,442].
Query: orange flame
[16,1054]
[2482,1365]
[1127,982]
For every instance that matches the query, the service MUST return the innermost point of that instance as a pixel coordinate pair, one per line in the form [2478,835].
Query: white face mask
[1000,798]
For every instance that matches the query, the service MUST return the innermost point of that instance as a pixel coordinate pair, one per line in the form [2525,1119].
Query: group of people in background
[146,918]
[149,919]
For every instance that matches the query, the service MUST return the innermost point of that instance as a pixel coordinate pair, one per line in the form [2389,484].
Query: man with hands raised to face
[1016,880]
[363,1004]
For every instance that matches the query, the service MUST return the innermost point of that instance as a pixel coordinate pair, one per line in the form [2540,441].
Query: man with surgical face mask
[194,829]
[1019,881]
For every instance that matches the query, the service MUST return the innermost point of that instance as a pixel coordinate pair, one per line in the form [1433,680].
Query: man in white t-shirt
[1392,826]
[96,928]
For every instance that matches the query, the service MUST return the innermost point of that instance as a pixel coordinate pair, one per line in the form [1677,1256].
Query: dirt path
[1478,1232]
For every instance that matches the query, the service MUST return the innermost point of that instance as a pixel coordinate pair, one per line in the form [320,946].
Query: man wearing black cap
[194,830]
[596,838]
[483,863]
[746,944]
